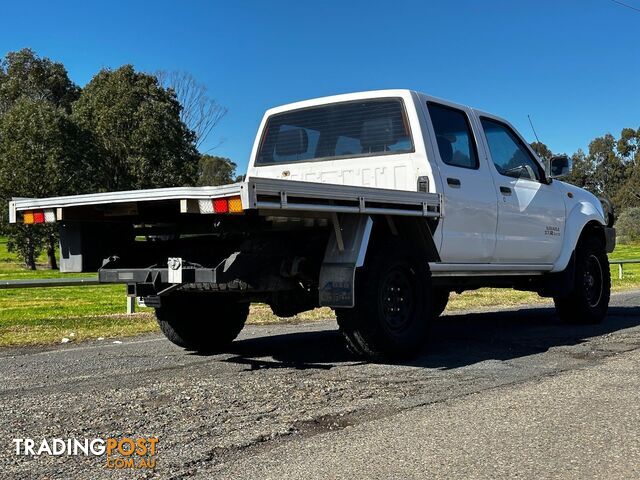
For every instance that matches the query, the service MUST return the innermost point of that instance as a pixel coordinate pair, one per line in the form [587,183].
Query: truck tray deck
[266,194]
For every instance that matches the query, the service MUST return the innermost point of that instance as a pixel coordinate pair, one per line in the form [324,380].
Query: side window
[453,134]
[509,155]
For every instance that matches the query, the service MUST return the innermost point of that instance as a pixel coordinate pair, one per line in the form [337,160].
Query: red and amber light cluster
[31,217]
[227,205]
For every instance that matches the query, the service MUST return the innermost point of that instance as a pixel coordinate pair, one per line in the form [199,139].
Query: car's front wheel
[589,300]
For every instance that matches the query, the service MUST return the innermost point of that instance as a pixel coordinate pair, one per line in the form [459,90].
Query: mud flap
[345,252]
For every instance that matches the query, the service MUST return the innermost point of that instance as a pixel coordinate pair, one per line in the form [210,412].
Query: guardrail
[48,282]
[620,264]
[61,282]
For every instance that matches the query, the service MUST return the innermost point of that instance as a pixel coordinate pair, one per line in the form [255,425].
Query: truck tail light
[38,216]
[220,205]
[235,205]
[31,217]
[227,205]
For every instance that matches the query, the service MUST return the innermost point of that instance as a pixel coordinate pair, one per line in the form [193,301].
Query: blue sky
[574,66]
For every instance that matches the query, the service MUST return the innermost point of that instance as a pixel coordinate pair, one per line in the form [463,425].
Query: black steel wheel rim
[593,281]
[397,300]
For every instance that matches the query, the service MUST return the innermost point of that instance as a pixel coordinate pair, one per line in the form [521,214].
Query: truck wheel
[200,322]
[392,305]
[440,300]
[589,300]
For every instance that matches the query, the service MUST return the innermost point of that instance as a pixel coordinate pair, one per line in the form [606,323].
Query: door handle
[453,182]
[505,190]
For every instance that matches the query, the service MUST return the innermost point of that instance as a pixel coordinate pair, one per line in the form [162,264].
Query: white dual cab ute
[376,204]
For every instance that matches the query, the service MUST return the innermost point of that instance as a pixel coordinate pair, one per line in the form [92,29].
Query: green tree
[25,76]
[542,150]
[629,194]
[27,241]
[628,145]
[609,170]
[42,153]
[136,125]
[628,224]
[582,171]
[216,170]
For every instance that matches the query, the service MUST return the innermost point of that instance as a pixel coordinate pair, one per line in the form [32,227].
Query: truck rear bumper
[157,276]
[227,277]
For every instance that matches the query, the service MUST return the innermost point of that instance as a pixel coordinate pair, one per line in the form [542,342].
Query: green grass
[631,276]
[35,316]
[38,316]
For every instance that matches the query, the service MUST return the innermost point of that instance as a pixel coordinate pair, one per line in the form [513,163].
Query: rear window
[339,130]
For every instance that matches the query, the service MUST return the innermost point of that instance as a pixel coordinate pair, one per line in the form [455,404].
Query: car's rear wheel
[393,306]
[201,322]
[589,300]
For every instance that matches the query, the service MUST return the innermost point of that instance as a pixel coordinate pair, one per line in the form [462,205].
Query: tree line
[128,129]
[124,130]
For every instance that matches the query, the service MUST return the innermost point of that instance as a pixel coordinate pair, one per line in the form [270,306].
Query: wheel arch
[584,219]
[417,232]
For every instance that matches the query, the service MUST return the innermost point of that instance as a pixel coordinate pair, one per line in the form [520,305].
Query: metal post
[131,305]
[620,271]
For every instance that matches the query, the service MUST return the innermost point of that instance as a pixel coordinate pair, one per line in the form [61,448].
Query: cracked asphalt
[495,394]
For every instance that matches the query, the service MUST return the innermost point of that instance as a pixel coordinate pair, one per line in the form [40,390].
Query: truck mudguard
[580,215]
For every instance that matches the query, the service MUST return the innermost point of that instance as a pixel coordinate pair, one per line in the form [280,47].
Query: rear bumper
[610,238]
[229,276]
[158,276]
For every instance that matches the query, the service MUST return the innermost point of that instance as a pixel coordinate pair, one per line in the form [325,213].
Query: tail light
[227,205]
[235,205]
[220,205]
[31,217]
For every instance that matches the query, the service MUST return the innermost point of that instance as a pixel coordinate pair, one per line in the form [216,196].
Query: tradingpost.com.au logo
[120,453]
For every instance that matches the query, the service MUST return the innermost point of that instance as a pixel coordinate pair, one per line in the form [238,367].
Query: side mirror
[559,166]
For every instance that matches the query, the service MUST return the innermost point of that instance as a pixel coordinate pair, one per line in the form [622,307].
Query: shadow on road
[457,340]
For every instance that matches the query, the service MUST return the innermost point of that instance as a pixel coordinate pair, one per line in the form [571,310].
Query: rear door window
[453,135]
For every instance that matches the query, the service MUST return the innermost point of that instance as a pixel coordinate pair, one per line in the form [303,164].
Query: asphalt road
[509,394]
